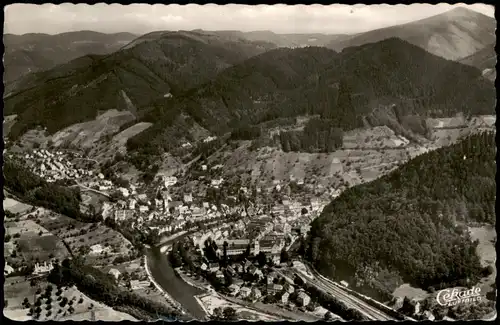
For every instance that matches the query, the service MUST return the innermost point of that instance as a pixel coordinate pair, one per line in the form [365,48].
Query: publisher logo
[454,297]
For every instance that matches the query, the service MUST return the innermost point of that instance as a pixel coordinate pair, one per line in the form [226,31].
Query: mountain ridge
[35,52]
[149,70]
[345,88]
[485,60]
[453,35]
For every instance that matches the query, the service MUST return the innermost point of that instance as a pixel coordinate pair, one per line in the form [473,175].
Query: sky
[143,18]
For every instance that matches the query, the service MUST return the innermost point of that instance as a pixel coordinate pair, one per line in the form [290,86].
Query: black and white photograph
[249,162]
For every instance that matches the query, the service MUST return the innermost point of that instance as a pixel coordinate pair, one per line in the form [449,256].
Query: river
[163,273]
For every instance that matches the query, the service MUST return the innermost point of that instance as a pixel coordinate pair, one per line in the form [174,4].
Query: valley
[221,175]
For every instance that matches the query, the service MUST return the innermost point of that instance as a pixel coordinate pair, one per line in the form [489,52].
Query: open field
[367,154]
[117,143]
[8,122]
[353,166]
[406,290]
[487,237]
[121,138]
[31,242]
[15,206]
[79,235]
[376,137]
[87,134]
[16,289]
[32,138]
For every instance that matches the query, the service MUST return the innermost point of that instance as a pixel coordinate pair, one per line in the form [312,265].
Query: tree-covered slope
[344,88]
[133,77]
[409,224]
[34,52]
[485,60]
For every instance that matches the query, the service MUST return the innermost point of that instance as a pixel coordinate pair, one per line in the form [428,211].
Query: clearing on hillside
[88,134]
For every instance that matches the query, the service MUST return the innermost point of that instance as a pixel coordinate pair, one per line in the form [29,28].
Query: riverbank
[163,273]
[189,281]
[169,298]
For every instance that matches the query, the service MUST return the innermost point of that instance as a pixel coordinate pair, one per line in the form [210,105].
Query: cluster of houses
[268,284]
[54,166]
[101,184]
[135,284]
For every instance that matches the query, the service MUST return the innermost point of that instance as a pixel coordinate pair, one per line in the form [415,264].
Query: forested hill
[409,224]
[342,87]
[33,52]
[169,62]
[345,86]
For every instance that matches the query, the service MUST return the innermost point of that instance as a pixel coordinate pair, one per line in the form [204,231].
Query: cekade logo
[454,297]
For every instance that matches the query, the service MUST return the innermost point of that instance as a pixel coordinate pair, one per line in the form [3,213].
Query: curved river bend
[163,273]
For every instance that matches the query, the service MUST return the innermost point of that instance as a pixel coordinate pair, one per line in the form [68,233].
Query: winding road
[91,189]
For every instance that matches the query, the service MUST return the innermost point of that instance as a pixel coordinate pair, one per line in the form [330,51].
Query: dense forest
[170,62]
[409,225]
[319,135]
[344,88]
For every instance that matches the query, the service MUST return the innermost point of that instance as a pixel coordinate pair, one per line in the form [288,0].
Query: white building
[303,299]
[96,249]
[143,208]
[188,198]
[170,181]
[245,292]
[132,204]
[115,273]
[42,268]
[7,270]
[234,289]
[209,139]
[124,191]
[217,182]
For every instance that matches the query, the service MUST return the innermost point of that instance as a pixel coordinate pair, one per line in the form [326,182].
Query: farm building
[303,299]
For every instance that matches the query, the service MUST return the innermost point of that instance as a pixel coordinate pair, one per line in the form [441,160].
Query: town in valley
[237,175]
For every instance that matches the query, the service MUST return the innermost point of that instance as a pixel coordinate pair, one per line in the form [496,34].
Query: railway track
[354,302]
[372,313]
